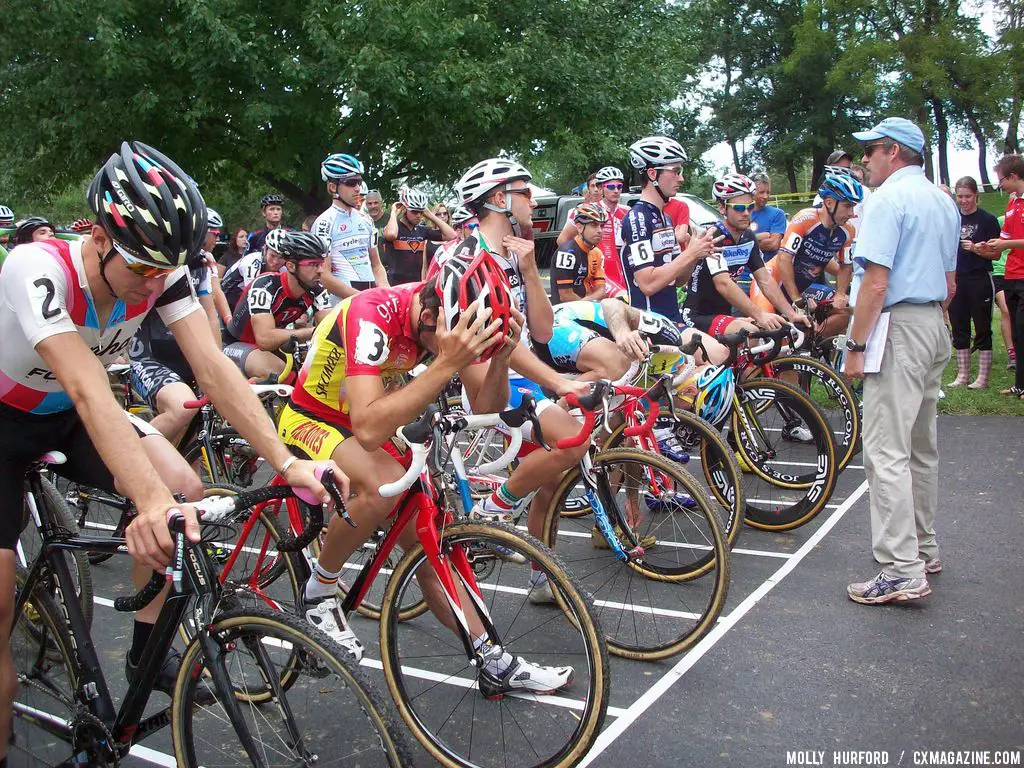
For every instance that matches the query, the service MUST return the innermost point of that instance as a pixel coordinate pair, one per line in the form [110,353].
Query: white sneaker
[797,434]
[325,615]
[488,514]
[522,675]
[540,594]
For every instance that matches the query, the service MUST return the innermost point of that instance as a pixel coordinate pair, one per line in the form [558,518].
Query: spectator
[974,290]
[998,272]
[405,237]
[768,222]
[1010,172]
[237,248]
[307,223]
[374,205]
[908,255]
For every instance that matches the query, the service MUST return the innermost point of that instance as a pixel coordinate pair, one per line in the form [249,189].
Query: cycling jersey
[351,235]
[734,255]
[269,294]
[368,334]
[44,291]
[812,246]
[649,240]
[154,340]
[577,267]
[403,256]
[239,275]
[1013,229]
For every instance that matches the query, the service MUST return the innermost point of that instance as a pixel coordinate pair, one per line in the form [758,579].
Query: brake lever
[329,483]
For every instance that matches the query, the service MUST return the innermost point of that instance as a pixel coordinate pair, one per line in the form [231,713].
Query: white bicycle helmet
[461,215]
[836,170]
[486,175]
[413,199]
[655,152]
[363,189]
[6,216]
[608,173]
[213,219]
[733,185]
[275,239]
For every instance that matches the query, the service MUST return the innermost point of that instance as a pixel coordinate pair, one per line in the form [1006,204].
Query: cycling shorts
[712,325]
[149,376]
[238,352]
[26,437]
[518,386]
[563,349]
[308,437]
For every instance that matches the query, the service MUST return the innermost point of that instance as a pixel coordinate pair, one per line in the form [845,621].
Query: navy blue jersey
[649,240]
[731,257]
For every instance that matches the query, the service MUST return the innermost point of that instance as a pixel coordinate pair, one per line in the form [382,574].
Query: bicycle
[245,673]
[423,660]
[656,556]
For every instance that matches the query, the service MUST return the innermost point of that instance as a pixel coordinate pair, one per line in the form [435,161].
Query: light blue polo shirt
[771,220]
[913,228]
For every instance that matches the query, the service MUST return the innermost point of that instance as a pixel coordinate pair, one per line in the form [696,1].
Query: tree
[260,92]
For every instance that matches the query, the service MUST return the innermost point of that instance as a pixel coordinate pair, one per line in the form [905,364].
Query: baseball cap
[899,129]
[839,154]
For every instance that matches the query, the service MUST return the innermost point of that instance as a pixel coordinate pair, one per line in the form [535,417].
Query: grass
[982,402]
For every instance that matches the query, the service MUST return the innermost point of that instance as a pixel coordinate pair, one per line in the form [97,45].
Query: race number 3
[371,344]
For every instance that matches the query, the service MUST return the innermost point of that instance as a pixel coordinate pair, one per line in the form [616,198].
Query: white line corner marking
[662,686]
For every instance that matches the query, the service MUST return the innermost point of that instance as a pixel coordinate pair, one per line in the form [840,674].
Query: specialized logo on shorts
[311,436]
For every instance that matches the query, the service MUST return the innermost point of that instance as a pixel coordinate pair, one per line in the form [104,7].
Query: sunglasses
[141,268]
[870,148]
[613,186]
[741,207]
[525,192]
[351,182]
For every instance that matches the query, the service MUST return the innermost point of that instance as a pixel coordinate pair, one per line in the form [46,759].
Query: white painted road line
[662,686]
[755,552]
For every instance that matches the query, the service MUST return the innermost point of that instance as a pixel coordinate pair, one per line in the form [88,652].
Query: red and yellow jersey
[369,334]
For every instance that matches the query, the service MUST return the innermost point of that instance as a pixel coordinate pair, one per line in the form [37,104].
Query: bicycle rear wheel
[663,602]
[329,715]
[787,481]
[47,670]
[435,685]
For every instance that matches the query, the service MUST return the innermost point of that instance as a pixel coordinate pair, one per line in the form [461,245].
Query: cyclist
[815,239]
[610,183]
[577,270]
[6,222]
[713,291]
[354,262]
[342,408]
[271,208]
[252,265]
[32,230]
[405,236]
[273,301]
[651,256]
[68,308]
[464,221]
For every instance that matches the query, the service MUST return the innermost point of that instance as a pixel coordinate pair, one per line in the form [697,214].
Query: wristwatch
[853,346]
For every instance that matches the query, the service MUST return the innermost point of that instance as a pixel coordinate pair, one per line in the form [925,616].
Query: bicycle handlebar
[218,509]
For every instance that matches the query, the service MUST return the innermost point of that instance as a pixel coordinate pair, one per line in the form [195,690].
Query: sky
[962,162]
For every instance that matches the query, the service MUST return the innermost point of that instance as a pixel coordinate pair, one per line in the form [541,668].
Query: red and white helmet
[486,175]
[462,281]
[733,185]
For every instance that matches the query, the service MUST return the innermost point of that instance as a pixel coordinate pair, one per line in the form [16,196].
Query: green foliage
[252,94]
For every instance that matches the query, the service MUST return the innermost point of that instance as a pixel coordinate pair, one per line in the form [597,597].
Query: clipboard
[875,345]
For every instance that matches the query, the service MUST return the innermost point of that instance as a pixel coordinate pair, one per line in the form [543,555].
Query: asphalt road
[793,665]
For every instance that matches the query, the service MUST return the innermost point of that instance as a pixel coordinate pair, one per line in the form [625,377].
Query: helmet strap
[830,211]
[657,186]
[103,267]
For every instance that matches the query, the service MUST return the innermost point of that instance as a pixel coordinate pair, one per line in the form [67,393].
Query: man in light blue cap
[907,250]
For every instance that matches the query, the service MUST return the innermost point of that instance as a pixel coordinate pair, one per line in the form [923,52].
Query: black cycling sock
[140,636]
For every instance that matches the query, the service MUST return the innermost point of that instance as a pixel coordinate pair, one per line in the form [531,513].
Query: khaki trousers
[901,457]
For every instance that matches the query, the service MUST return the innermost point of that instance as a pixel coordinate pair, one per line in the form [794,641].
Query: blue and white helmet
[339,166]
[845,189]
[716,387]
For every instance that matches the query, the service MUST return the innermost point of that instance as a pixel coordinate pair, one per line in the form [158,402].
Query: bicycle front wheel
[662,602]
[785,446]
[437,687]
[329,716]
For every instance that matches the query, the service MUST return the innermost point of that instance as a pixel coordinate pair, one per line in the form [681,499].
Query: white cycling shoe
[522,675]
[326,615]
